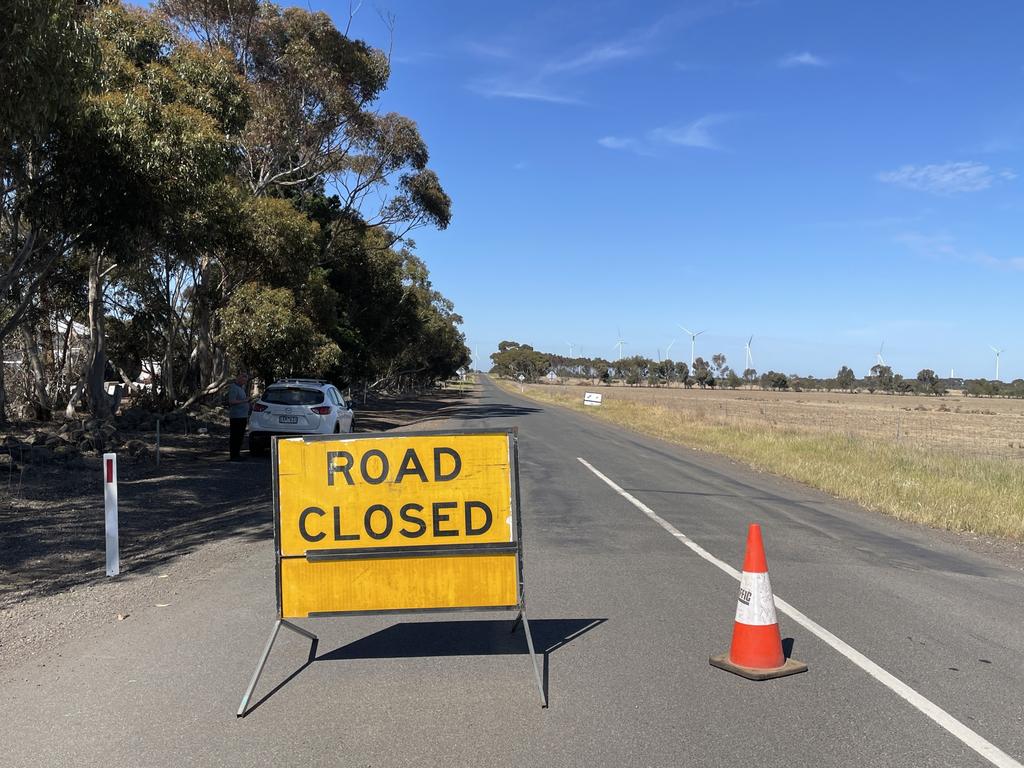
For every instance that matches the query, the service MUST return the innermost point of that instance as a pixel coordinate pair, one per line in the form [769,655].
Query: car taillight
[260,407]
[323,410]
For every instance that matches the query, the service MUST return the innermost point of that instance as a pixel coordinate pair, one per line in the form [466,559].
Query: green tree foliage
[48,58]
[313,89]
[682,372]
[774,380]
[514,359]
[213,159]
[264,332]
[928,382]
[702,373]
[845,378]
[983,388]
[718,361]
[883,377]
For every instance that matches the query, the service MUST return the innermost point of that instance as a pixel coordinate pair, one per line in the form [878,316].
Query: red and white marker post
[110,506]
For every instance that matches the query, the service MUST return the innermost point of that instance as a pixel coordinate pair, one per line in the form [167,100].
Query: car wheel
[257,446]
[337,428]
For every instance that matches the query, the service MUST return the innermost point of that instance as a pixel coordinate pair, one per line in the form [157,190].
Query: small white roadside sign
[591,398]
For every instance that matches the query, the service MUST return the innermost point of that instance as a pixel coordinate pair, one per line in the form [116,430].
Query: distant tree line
[514,359]
[202,185]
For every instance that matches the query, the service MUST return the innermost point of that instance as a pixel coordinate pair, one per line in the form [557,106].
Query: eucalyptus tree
[313,90]
[156,142]
[846,378]
[47,61]
[317,140]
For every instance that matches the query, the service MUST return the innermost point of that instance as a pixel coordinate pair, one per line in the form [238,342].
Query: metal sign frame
[376,553]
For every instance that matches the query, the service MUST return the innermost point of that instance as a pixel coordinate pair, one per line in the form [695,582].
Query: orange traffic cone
[756,651]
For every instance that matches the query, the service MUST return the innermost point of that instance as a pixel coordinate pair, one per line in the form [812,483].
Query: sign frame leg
[266,655]
[533,654]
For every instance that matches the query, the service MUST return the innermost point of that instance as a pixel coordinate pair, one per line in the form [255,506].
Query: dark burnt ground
[51,512]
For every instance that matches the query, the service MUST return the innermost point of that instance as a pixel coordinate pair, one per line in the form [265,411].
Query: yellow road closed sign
[407,522]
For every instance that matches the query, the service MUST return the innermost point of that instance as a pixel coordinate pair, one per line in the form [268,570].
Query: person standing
[238,413]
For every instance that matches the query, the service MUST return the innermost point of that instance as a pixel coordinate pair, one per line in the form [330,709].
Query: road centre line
[985,748]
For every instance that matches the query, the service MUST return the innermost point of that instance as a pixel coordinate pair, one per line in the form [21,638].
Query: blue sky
[825,176]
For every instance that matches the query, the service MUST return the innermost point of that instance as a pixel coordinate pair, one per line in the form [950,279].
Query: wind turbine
[998,352]
[693,342]
[750,356]
[570,347]
[620,344]
[669,348]
[881,360]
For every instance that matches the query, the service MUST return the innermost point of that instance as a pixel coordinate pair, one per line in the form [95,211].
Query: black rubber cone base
[791,667]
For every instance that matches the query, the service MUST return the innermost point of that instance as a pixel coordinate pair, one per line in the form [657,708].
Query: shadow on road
[452,638]
[370,421]
[461,638]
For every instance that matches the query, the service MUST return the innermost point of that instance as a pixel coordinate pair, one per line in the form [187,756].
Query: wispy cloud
[802,59]
[521,71]
[945,247]
[594,57]
[489,50]
[523,92]
[695,134]
[416,58]
[551,79]
[615,142]
[626,144]
[946,178]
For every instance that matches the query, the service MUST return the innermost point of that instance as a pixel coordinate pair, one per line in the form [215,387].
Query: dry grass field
[951,462]
[954,423]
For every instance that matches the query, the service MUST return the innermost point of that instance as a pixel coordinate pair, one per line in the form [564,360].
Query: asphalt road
[626,614]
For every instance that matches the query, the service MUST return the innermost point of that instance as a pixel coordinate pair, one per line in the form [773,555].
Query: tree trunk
[96,362]
[167,364]
[208,358]
[202,357]
[39,398]
[3,388]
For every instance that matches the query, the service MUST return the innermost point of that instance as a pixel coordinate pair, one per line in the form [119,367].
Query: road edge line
[934,712]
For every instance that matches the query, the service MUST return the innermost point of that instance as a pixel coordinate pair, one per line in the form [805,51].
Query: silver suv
[297,407]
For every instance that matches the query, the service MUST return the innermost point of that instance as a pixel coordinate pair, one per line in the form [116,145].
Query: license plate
[288,419]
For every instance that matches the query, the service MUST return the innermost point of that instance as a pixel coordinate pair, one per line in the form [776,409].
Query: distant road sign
[592,398]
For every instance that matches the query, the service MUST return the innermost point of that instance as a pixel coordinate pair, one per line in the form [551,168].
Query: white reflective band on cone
[756,606]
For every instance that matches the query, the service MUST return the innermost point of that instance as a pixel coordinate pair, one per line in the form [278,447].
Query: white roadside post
[110,506]
[522,378]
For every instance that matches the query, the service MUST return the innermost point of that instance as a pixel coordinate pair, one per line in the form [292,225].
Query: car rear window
[292,396]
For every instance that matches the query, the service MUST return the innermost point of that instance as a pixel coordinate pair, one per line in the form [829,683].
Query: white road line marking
[985,748]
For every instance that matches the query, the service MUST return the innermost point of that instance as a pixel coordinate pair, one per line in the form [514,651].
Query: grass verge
[977,495]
